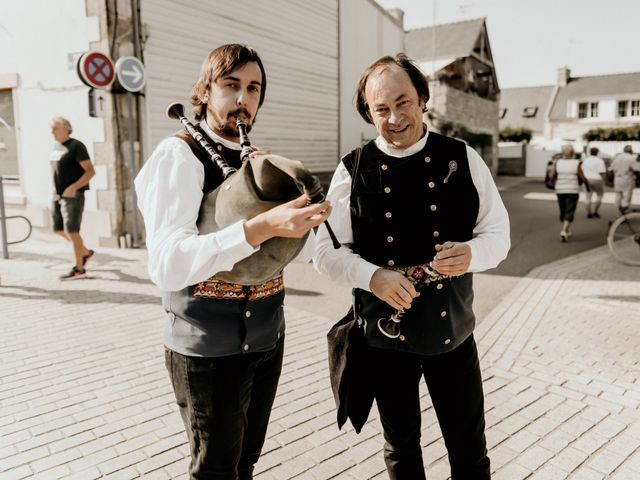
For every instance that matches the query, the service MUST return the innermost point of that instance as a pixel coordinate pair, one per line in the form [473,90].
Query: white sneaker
[564,236]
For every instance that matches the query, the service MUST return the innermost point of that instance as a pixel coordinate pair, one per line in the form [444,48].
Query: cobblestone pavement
[84,393]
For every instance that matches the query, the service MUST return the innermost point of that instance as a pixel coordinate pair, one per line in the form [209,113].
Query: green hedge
[509,134]
[613,134]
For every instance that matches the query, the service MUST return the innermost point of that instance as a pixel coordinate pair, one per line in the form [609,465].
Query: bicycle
[624,238]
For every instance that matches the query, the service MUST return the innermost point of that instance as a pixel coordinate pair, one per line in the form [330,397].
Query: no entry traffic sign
[96,69]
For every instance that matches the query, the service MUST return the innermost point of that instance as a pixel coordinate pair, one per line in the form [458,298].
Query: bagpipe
[262,182]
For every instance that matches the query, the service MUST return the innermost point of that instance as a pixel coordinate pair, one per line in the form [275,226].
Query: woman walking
[569,174]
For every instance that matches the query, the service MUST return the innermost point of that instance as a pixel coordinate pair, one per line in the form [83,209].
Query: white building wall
[298,44]
[40,43]
[366,34]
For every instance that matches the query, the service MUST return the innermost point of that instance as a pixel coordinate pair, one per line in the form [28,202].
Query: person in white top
[595,170]
[624,166]
[569,174]
[414,203]
[224,342]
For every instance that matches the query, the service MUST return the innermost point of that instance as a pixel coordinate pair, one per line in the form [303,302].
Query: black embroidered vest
[400,209]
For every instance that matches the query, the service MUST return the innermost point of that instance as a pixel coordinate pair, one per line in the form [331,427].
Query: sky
[531,39]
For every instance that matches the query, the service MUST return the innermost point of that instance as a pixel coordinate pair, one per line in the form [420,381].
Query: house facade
[584,103]
[564,112]
[312,54]
[463,82]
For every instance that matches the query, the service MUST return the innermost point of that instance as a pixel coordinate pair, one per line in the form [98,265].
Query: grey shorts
[67,213]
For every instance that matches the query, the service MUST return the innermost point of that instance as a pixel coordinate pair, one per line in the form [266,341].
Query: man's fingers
[451,250]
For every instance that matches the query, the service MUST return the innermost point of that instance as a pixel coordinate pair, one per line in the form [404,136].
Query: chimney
[563,76]
[398,14]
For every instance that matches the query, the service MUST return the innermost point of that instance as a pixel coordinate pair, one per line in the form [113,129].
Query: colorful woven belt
[415,272]
[214,288]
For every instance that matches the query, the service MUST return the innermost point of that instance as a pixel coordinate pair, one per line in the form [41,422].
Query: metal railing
[3,225]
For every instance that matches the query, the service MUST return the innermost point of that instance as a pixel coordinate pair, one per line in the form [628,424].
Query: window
[503,113]
[635,108]
[588,109]
[622,108]
[8,141]
[582,110]
[529,112]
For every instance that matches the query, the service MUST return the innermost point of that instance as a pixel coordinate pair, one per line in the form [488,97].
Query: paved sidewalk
[84,393]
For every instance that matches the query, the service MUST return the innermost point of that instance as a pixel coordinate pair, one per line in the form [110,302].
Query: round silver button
[439,287]
[388,214]
[247,313]
[447,341]
[401,338]
[384,166]
[389,239]
[436,234]
[427,159]
[391,263]
[431,184]
[443,314]
[433,208]
[387,190]
[246,347]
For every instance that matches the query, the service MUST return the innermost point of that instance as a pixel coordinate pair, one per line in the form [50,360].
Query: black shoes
[74,273]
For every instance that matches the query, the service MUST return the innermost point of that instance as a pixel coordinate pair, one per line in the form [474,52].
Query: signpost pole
[3,223]
[132,170]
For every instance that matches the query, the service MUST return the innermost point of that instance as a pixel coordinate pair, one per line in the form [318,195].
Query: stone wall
[478,115]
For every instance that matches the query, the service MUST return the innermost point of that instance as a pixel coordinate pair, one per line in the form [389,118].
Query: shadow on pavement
[72,297]
[621,298]
[302,293]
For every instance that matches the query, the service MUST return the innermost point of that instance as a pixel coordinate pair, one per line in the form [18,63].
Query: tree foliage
[460,131]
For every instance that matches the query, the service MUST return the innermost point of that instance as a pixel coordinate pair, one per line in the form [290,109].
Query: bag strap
[356,167]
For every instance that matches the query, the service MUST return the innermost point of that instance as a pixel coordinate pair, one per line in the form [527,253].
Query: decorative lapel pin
[453,166]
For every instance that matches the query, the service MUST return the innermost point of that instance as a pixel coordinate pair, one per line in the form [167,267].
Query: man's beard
[228,127]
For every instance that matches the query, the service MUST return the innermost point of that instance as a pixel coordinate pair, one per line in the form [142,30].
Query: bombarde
[390,327]
[175,111]
[262,182]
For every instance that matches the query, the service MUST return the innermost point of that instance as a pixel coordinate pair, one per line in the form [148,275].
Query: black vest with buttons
[212,327]
[400,209]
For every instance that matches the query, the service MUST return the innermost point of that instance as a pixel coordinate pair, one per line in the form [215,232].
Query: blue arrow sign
[130,73]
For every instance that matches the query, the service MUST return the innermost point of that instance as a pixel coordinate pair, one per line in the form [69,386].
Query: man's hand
[292,220]
[393,288]
[69,192]
[259,151]
[452,259]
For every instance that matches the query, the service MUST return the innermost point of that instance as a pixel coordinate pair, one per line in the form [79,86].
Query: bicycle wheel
[624,238]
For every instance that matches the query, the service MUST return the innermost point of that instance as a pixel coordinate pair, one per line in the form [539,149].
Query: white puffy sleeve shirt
[169,189]
[489,245]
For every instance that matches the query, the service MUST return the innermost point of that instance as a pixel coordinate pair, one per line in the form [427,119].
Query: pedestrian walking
[72,171]
[624,166]
[595,171]
[409,204]
[569,176]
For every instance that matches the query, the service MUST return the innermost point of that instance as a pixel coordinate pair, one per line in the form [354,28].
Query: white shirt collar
[382,144]
[214,136]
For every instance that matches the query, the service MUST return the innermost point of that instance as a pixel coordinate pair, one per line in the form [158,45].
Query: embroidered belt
[214,288]
[415,272]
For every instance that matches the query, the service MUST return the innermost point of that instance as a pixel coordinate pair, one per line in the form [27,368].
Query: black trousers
[455,385]
[567,203]
[225,403]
